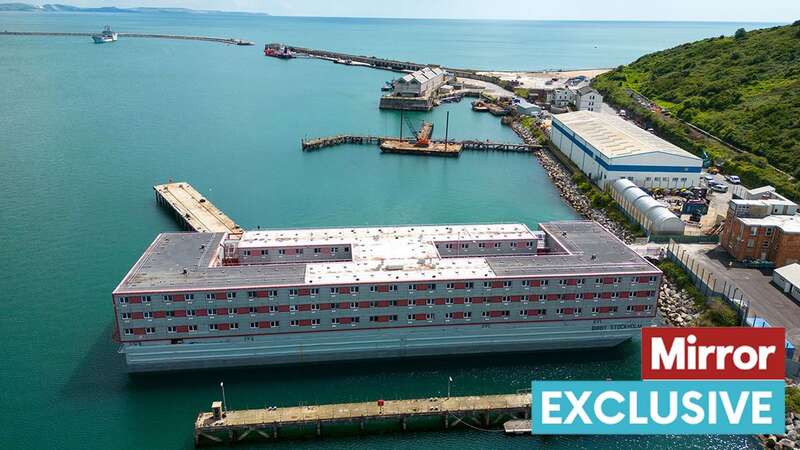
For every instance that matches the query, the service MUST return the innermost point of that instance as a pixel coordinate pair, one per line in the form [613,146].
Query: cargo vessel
[281,52]
[106,36]
[267,297]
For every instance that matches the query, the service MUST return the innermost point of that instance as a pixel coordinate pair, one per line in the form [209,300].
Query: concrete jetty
[330,141]
[231,41]
[193,211]
[479,412]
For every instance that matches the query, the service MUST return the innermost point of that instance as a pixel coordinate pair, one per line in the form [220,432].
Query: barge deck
[330,141]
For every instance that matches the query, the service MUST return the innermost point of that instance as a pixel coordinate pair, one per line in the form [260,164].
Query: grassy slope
[744,90]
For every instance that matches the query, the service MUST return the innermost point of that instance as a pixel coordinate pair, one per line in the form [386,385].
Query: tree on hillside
[740,33]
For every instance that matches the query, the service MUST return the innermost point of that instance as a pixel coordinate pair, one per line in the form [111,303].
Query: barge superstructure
[197,300]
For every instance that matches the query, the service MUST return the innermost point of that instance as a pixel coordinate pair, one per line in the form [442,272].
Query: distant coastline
[26,7]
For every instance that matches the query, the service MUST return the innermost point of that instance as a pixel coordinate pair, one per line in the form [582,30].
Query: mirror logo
[694,381]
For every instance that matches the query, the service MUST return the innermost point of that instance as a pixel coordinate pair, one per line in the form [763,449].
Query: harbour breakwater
[220,40]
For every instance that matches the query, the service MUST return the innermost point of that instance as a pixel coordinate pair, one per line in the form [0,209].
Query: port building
[606,148]
[763,230]
[420,83]
[215,299]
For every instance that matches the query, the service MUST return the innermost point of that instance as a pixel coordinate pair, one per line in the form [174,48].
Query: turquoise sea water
[86,130]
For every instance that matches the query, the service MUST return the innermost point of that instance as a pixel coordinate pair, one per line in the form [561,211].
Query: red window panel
[623,294]
[159,314]
[179,313]
[458,285]
[534,312]
[134,299]
[345,319]
[422,287]
[536,283]
[420,317]
[304,307]
[494,299]
[221,311]
[137,315]
[641,294]
[326,250]
[383,288]
[263,324]
[458,314]
[182,328]
[363,304]
[478,299]
[497,284]
[344,305]
[223,326]
[439,301]
[605,295]
[262,309]
[262,294]
[572,282]
[382,319]
[495,313]
[516,298]
[178,297]
[568,296]
[304,292]
[219,295]
[324,306]
[201,312]
[458,300]
[138,331]
[344,290]
[552,296]
[402,303]
[383,303]
[608,280]
[304,322]
[568,311]
[603,309]
[283,308]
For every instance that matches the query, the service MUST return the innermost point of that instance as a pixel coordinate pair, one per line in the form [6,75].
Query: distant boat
[281,52]
[106,36]
[387,86]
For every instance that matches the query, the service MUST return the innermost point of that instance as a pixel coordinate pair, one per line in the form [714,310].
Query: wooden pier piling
[402,415]
[193,211]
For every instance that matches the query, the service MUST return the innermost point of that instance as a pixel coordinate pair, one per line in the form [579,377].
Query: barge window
[353,289]
[123,300]
[292,292]
[468,314]
[211,312]
[146,299]
[281,251]
[234,325]
[317,250]
[167,298]
[126,316]
[526,283]
[253,324]
[506,284]
[481,245]
[189,296]
[264,252]
[190,313]
[247,253]
[169,313]
[230,295]
[467,300]
[213,327]
[496,245]
[393,288]
[209,296]
[487,285]
[293,323]
[192,328]
[251,294]
[314,291]
[149,330]
[469,285]
[448,301]
[148,315]
[314,307]
[253,310]
[171,329]
[274,324]
[450,285]
[128,331]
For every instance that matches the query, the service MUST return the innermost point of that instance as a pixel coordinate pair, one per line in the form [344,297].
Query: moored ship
[198,300]
[281,52]
[106,36]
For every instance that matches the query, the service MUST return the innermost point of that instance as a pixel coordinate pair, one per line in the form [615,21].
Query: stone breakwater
[790,439]
[676,306]
[562,179]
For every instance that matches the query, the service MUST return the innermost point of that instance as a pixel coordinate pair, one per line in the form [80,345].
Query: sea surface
[86,130]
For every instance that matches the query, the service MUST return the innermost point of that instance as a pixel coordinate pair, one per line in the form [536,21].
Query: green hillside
[744,89]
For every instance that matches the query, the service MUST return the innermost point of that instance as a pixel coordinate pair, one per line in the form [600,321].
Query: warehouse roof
[790,273]
[615,137]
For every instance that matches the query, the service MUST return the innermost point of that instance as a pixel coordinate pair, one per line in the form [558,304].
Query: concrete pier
[232,41]
[193,211]
[482,412]
[330,141]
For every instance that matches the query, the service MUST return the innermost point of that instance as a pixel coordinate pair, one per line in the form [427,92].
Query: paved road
[766,301]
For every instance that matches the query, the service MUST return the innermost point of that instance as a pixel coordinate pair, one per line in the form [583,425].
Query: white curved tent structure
[652,215]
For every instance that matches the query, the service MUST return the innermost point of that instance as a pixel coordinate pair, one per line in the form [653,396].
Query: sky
[681,10]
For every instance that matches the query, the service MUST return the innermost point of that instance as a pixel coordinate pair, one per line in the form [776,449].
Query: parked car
[733,179]
[718,187]
[708,177]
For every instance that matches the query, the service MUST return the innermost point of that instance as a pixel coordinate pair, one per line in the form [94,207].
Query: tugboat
[281,52]
[106,36]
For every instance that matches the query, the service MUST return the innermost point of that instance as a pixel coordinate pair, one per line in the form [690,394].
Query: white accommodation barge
[198,300]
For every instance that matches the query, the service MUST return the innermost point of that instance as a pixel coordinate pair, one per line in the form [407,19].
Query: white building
[607,148]
[561,97]
[588,99]
[652,215]
[421,83]
[787,278]
[526,108]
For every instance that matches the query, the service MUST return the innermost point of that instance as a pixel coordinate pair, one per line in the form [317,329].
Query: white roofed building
[420,83]
[607,148]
